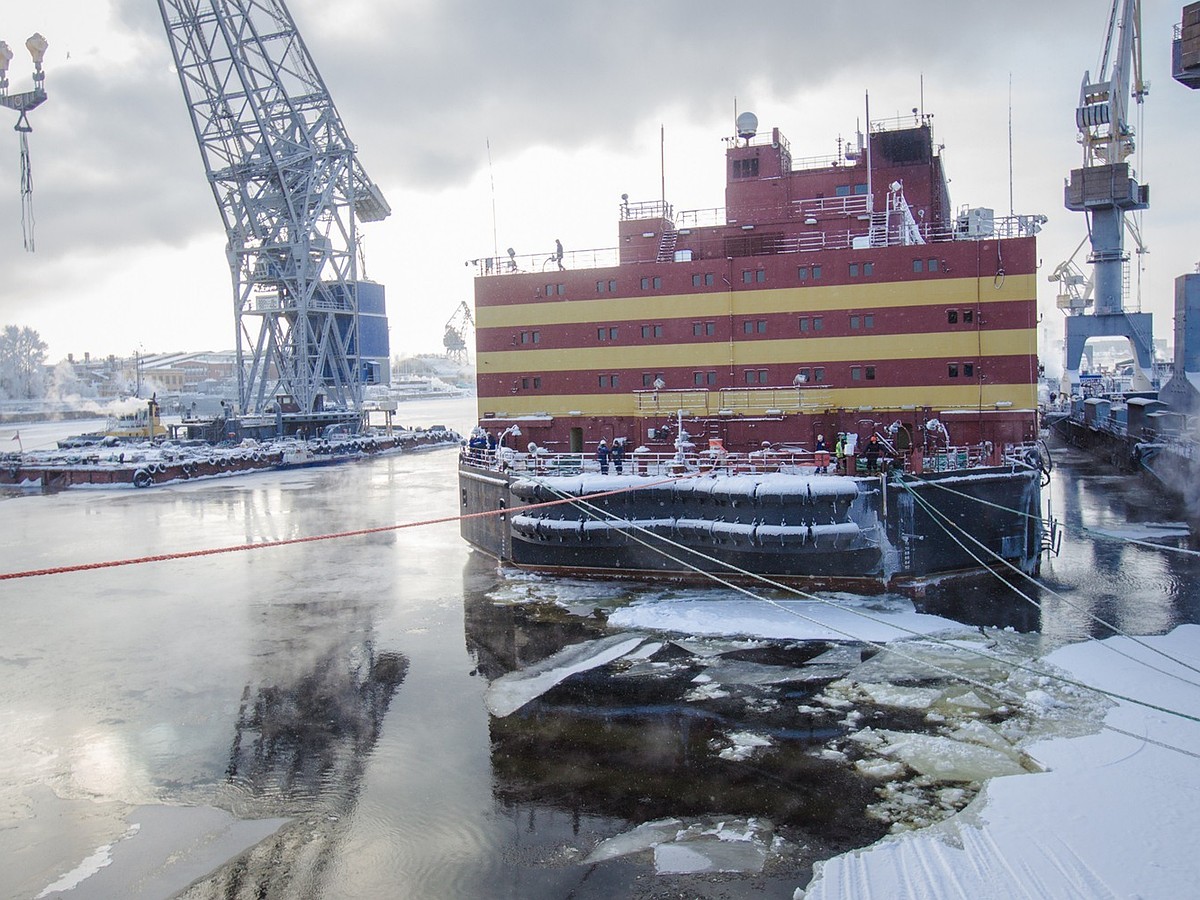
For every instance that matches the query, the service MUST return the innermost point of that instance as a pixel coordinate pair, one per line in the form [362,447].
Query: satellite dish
[747,125]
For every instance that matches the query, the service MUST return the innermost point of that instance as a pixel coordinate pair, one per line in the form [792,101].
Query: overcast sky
[571,97]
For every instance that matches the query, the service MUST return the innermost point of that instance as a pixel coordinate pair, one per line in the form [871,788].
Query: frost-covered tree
[22,361]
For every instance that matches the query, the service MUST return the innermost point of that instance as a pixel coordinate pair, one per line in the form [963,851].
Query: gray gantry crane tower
[291,191]
[1105,189]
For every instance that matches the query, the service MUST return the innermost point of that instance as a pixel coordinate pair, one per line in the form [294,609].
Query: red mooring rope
[263,545]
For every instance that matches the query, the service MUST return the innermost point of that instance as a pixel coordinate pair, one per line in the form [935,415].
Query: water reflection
[623,745]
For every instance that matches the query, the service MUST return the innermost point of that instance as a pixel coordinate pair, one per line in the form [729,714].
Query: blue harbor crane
[311,330]
[1104,189]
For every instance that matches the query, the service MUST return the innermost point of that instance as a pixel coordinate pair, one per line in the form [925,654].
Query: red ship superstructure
[830,295]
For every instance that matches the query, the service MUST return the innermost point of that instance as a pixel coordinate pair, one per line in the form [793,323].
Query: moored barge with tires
[676,401]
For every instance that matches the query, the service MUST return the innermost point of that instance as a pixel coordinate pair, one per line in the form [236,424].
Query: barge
[717,359]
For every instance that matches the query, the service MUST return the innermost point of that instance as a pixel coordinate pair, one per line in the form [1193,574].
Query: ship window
[762,376]
[933,265]
[853,270]
[854,321]
[645,331]
[612,333]
[816,272]
[657,282]
[560,289]
[818,323]
[860,189]
[819,373]
[870,373]
[610,381]
[952,316]
[697,280]
[601,334]
[710,327]
[842,190]
[599,287]
[803,375]
[968,370]
[856,373]
[745,168]
[952,370]
[525,384]
[658,331]
[747,276]
[968,315]
[918,265]
[710,377]
[648,282]
[804,323]
[869,268]
[537,382]
[648,378]
[762,326]
[697,328]
[645,283]
[748,327]
[751,376]
[549,289]
[868,321]
[761,276]
[698,378]
[802,273]
[531,337]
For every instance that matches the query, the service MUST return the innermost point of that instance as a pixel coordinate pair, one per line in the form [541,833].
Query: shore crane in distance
[455,338]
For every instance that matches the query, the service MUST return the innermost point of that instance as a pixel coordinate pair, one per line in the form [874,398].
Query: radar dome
[747,125]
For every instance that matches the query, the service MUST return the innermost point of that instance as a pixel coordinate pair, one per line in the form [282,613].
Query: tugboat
[832,379]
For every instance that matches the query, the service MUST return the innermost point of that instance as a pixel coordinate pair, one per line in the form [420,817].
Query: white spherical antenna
[747,125]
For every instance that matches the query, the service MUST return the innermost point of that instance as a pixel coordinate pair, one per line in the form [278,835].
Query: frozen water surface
[390,715]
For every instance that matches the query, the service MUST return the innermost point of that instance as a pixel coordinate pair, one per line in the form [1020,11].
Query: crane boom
[291,193]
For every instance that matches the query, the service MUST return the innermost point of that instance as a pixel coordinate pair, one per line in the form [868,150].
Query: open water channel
[320,719]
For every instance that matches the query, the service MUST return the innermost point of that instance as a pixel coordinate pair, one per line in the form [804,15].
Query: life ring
[142,478]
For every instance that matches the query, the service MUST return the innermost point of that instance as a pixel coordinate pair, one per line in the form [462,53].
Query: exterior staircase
[666,246]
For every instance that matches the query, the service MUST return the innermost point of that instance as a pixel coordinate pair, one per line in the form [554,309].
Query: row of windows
[844,190]
[858,322]
[807,374]
[749,276]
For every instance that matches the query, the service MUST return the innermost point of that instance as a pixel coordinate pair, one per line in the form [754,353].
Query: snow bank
[786,619]
[1115,815]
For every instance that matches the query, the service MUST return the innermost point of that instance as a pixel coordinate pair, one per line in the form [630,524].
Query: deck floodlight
[36,45]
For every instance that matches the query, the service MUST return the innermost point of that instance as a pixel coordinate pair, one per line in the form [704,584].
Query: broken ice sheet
[943,758]
[510,692]
[711,845]
[743,745]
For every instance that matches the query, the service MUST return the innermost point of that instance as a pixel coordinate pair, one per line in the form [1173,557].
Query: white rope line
[597,513]
[941,519]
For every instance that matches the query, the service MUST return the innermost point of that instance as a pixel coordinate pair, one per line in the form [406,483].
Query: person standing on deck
[821,454]
[872,453]
[602,456]
[618,454]
[839,450]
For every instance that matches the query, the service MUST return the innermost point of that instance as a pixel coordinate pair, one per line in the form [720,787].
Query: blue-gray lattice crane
[292,193]
[1104,188]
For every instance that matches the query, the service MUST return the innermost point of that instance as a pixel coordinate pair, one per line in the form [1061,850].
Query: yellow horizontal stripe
[985,397]
[847,297]
[875,349]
